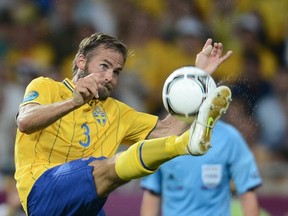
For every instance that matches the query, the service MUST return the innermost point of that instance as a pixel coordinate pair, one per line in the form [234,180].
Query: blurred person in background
[189,33]
[202,185]
[252,35]
[175,11]
[70,21]
[98,13]
[11,205]
[275,26]
[251,85]
[6,31]
[31,48]
[249,34]
[272,115]
[248,126]
[11,95]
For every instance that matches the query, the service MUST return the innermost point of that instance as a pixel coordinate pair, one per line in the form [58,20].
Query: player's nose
[109,75]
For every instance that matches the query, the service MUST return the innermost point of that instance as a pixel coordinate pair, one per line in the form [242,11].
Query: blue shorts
[67,189]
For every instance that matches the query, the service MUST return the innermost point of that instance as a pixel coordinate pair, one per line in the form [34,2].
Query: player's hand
[85,90]
[211,57]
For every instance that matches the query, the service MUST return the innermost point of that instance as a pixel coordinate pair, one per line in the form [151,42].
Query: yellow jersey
[95,129]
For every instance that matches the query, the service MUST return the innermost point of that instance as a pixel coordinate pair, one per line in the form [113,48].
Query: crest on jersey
[100,115]
[211,175]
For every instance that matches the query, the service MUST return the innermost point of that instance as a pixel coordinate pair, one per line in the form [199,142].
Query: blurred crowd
[40,38]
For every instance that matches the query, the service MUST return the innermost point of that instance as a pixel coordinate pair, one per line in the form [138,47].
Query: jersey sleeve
[152,182]
[140,125]
[39,91]
[243,167]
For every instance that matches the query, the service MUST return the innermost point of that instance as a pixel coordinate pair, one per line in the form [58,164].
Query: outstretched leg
[143,158]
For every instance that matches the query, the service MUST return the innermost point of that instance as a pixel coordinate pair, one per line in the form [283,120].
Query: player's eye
[104,66]
[116,72]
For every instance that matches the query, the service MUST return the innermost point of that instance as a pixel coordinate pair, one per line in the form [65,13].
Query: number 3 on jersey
[87,135]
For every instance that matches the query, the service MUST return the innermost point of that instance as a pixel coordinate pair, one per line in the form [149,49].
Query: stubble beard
[103,93]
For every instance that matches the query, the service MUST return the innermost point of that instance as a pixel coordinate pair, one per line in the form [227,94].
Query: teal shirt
[200,185]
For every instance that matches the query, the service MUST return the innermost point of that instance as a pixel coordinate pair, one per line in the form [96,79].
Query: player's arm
[249,204]
[168,126]
[151,204]
[33,117]
[210,58]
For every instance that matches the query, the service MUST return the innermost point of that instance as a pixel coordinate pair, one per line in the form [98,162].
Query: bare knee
[105,177]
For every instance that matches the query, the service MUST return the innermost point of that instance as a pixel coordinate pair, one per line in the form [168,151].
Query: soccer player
[68,132]
[201,185]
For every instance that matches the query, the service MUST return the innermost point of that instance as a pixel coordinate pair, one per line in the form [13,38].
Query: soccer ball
[185,90]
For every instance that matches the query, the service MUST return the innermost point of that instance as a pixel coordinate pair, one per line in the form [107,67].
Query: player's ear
[81,61]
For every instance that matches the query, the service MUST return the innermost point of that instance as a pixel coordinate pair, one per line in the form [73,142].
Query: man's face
[107,64]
